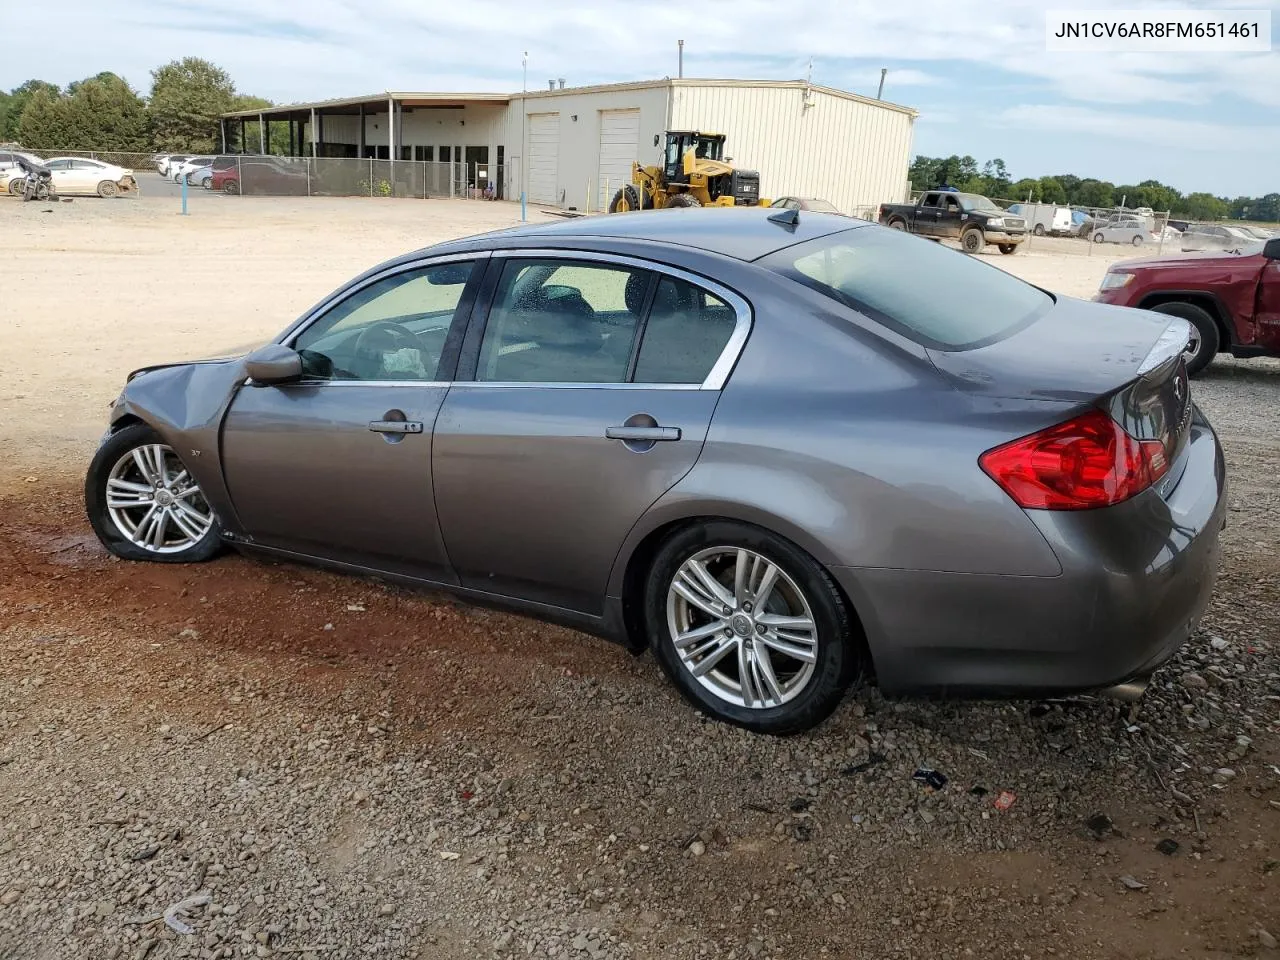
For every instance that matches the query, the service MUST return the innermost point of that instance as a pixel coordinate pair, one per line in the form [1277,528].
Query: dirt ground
[347,769]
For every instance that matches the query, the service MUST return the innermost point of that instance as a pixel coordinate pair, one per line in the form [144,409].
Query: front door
[1268,312]
[338,465]
[594,386]
[928,215]
[948,225]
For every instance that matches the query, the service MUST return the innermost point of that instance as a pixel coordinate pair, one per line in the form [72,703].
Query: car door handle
[395,426]
[642,433]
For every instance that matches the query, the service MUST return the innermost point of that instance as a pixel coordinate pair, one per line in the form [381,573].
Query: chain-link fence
[274,176]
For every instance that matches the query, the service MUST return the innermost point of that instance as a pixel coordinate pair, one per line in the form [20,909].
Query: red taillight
[1086,462]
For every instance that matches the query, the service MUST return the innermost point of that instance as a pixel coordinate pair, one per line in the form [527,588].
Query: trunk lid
[1127,362]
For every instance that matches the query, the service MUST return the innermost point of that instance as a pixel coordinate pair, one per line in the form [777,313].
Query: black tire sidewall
[1198,317]
[838,655]
[95,502]
[977,244]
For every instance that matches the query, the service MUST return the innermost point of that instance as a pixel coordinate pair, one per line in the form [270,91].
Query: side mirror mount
[274,363]
[1271,249]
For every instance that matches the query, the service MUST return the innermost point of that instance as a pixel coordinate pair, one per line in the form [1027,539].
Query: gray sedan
[750,441]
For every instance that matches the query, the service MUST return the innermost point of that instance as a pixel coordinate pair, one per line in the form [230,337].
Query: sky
[977,70]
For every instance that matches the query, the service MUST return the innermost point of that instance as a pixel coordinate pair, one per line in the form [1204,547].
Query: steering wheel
[382,337]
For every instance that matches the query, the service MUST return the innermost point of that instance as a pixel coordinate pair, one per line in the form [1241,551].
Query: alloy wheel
[742,627]
[154,502]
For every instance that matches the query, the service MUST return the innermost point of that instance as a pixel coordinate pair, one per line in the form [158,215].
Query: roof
[445,99]
[743,233]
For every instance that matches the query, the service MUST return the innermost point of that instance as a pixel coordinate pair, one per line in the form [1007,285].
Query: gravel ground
[322,767]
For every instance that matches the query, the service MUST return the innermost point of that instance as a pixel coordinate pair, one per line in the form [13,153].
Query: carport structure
[440,127]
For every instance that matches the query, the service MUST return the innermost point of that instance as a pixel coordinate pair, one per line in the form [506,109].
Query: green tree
[104,113]
[1025,189]
[1052,191]
[278,132]
[187,98]
[42,122]
[19,97]
[1095,193]
[1070,183]
[1202,206]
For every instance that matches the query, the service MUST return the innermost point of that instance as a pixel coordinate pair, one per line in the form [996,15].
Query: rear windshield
[933,295]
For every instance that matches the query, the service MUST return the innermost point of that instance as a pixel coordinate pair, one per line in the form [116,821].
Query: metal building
[578,143]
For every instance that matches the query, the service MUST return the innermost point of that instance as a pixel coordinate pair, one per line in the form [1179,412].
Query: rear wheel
[1039,230]
[1205,340]
[143,504]
[231,187]
[972,241]
[1137,241]
[106,189]
[897,225]
[1098,238]
[750,628]
[1008,248]
[683,200]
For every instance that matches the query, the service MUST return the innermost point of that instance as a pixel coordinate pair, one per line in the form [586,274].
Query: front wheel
[972,241]
[750,628]
[17,186]
[1039,230]
[1137,241]
[1098,238]
[106,189]
[1008,248]
[143,504]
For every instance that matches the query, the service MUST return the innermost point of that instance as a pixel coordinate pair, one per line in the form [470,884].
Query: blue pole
[184,196]
[524,217]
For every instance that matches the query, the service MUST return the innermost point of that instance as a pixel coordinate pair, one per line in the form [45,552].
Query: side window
[929,200]
[952,204]
[393,329]
[59,164]
[555,321]
[687,331]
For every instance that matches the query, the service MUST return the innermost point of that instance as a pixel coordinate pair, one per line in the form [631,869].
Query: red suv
[1233,300]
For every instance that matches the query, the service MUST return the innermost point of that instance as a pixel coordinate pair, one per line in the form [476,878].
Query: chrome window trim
[316,313]
[573,385]
[249,382]
[720,370]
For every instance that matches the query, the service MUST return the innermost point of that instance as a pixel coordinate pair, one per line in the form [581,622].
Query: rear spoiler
[1171,344]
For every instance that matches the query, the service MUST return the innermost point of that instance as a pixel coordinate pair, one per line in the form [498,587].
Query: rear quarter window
[928,293]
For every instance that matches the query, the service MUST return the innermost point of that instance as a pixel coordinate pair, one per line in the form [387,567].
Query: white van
[1045,218]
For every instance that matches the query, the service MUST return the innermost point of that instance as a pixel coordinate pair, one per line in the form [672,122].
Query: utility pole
[880,92]
[680,64]
[524,119]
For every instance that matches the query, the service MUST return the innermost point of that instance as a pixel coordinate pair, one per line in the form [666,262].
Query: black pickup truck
[973,220]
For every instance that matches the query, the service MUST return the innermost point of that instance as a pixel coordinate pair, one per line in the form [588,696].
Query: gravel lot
[322,767]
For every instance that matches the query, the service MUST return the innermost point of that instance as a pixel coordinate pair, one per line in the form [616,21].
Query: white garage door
[619,134]
[544,155]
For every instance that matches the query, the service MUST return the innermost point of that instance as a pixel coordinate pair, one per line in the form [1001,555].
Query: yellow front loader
[695,173]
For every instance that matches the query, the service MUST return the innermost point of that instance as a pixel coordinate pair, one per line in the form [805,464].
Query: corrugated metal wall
[578,167]
[852,153]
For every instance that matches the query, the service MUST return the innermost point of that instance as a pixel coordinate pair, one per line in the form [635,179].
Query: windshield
[821,206]
[878,273]
[971,201]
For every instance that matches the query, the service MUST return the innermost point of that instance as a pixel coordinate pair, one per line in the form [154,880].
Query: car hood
[1226,262]
[1076,352]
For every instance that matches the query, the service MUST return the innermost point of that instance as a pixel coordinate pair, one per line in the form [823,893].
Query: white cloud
[1191,136]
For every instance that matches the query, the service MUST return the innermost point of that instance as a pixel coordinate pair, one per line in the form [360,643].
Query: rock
[1167,847]
[1218,643]
[697,848]
[838,899]
[1193,681]
[1133,883]
[755,948]
[189,634]
[10,897]
[386,910]
[1223,774]
[1267,940]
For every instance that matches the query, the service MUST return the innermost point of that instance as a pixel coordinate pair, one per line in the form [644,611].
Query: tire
[1039,230]
[626,200]
[809,690]
[1098,238]
[1209,340]
[17,186]
[1137,241]
[230,187]
[897,225]
[972,242]
[1008,249]
[107,189]
[683,200]
[175,540]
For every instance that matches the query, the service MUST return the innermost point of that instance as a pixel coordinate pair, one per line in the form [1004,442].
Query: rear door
[592,384]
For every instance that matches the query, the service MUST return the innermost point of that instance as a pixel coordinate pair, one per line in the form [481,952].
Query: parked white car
[1045,218]
[167,160]
[187,166]
[1123,231]
[75,175]
[200,176]
[1201,237]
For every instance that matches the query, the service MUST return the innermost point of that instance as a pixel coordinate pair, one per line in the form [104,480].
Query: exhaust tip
[1128,692]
